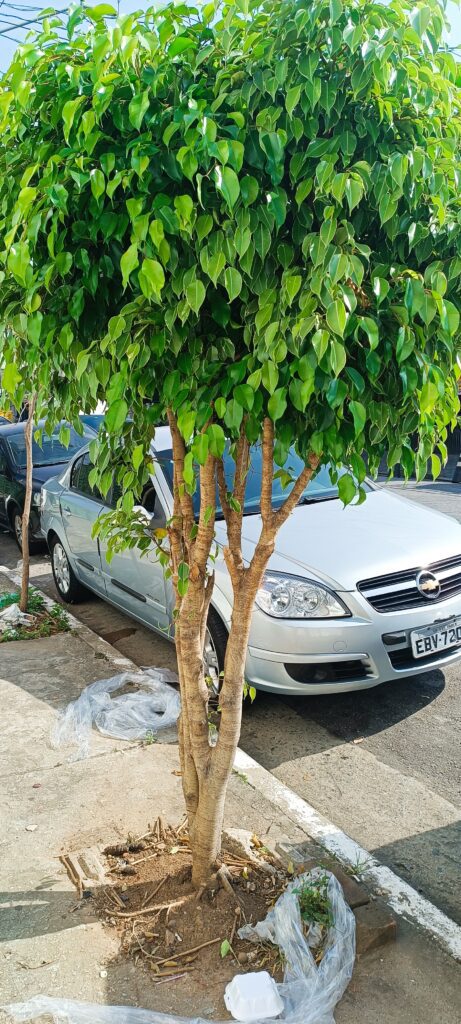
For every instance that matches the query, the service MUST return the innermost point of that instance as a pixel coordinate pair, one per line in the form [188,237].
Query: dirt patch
[46,621]
[186,944]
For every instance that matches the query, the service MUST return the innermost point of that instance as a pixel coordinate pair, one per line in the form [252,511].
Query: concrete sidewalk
[49,806]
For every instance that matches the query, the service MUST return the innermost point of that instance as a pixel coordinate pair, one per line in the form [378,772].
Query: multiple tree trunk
[206,768]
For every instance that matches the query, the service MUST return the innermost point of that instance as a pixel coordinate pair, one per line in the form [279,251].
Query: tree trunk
[206,769]
[28,434]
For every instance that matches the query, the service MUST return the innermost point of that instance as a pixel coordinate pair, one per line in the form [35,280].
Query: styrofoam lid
[253,996]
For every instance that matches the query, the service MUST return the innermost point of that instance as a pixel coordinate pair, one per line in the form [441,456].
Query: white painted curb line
[401,897]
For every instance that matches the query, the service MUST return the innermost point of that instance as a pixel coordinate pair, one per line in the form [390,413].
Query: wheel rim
[211,662]
[18,528]
[61,568]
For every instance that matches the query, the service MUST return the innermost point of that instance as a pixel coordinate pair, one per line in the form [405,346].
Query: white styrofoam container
[253,996]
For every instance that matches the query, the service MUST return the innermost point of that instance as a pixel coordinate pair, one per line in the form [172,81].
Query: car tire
[68,586]
[16,530]
[215,648]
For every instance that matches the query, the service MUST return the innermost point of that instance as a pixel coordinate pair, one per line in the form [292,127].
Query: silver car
[352,596]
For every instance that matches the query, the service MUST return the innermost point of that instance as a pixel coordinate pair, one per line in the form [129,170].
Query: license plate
[435,639]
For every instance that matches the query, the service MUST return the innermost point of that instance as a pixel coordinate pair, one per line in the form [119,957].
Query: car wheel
[66,582]
[16,529]
[214,650]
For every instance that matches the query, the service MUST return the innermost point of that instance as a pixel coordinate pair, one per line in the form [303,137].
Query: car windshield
[50,451]
[321,488]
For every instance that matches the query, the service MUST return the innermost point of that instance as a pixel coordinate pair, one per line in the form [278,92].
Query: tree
[28,437]
[246,219]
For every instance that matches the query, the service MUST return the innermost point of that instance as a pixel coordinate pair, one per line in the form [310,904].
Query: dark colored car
[50,458]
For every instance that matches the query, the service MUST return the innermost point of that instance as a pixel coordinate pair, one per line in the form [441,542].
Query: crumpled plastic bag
[11,617]
[152,705]
[309,992]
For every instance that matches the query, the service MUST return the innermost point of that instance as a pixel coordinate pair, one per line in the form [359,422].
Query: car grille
[329,672]
[398,591]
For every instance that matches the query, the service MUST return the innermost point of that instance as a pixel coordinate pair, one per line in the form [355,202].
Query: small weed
[359,868]
[149,738]
[241,776]
[314,902]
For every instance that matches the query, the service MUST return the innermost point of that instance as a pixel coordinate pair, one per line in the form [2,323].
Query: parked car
[352,597]
[49,458]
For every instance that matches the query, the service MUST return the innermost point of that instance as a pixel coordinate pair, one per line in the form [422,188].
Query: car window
[50,451]
[149,500]
[3,459]
[79,478]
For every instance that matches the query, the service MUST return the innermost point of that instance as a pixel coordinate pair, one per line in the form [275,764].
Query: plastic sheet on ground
[148,705]
[11,617]
[309,992]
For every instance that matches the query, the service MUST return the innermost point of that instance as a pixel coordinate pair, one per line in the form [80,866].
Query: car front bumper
[338,655]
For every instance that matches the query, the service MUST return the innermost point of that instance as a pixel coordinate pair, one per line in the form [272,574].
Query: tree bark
[28,434]
[205,768]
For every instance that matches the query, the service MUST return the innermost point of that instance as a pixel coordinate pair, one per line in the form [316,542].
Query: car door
[134,582]
[81,506]
[5,483]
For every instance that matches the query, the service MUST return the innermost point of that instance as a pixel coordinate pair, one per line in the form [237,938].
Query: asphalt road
[383,764]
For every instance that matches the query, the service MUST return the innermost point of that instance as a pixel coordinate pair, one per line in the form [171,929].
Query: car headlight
[288,597]
[37,498]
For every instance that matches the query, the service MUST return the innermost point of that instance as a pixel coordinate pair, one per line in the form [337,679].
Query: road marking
[400,896]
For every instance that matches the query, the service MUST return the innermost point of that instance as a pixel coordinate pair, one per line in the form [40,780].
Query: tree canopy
[245,210]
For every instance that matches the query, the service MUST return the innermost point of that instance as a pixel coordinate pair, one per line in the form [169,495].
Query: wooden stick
[151,910]
[188,952]
[156,890]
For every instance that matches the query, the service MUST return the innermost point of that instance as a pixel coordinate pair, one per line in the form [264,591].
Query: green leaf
[292,99]
[337,354]
[69,111]
[245,396]
[277,404]
[151,278]
[128,263]
[116,415]
[137,108]
[98,183]
[320,342]
[225,948]
[200,448]
[420,20]
[450,317]
[249,189]
[347,488]
[337,316]
[180,45]
[429,397]
[217,439]
[195,294]
[359,416]
[371,329]
[34,327]
[137,457]
[270,376]
[233,282]
[228,184]
[11,377]
[233,415]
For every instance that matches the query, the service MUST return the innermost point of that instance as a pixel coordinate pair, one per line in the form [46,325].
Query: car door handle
[66,509]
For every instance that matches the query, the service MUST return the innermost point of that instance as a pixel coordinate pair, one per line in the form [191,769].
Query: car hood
[342,546]
[40,474]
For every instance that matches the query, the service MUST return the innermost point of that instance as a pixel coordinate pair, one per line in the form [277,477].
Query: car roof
[8,430]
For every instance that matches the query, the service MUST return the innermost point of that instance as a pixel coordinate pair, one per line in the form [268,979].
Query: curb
[401,897]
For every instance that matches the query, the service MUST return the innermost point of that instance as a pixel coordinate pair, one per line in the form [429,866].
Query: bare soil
[175,935]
